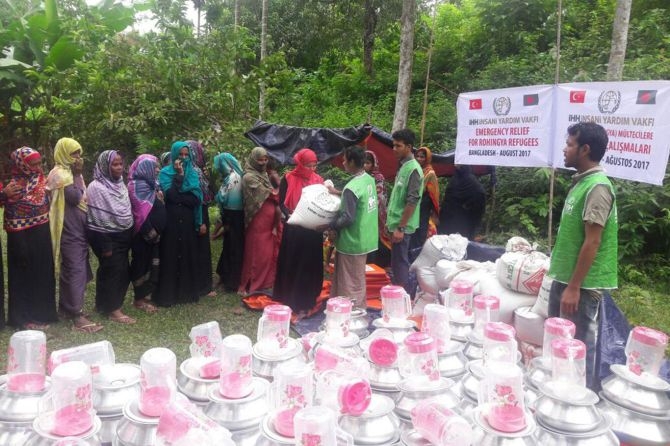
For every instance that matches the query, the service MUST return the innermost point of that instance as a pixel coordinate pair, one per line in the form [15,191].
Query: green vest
[603,271]
[398,198]
[361,237]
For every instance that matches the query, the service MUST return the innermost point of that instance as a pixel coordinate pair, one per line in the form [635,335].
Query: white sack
[521,271]
[317,207]
[449,247]
[541,306]
[482,275]
[426,278]
[422,299]
[529,326]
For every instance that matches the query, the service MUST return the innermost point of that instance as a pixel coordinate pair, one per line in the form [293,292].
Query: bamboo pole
[557,77]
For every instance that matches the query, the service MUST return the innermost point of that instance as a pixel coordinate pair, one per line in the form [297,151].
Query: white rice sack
[444,272]
[422,299]
[541,306]
[521,271]
[426,278]
[509,300]
[317,207]
[519,244]
[529,326]
[450,247]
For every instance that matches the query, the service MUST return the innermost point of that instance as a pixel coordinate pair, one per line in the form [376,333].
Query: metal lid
[39,421]
[294,349]
[571,394]
[269,432]
[259,389]
[132,412]
[648,381]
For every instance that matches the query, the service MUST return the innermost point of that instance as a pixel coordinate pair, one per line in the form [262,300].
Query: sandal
[145,305]
[35,326]
[88,328]
[123,319]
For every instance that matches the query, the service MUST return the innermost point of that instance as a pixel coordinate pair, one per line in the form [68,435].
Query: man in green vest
[584,258]
[402,215]
[357,229]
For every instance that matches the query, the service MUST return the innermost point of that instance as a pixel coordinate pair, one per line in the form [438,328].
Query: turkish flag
[475,104]
[577,96]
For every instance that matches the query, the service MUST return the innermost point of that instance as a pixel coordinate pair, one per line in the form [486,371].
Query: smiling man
[584,259]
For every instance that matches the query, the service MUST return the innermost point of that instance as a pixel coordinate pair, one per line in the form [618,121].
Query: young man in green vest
[584,258]
[402,215]
[357,229]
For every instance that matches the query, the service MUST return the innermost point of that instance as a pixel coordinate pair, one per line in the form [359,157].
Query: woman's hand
[179,167]
[12,190]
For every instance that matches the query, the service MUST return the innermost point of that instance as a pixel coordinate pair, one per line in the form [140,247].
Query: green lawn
[167,328]
[170,326]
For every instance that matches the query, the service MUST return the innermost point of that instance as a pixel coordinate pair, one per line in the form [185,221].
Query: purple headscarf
[108,203]
[142,187]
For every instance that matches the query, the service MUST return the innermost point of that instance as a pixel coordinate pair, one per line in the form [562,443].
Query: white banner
[506,127]
[636,116]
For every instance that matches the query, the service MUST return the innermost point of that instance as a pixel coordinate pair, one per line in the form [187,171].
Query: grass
[167,328]
[641,297]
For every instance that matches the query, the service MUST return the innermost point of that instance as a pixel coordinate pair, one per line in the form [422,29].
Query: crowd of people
[154,231]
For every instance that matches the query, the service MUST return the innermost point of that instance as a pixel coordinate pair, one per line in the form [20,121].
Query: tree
[264,44]
[619,40]
[369,25]
[405,65]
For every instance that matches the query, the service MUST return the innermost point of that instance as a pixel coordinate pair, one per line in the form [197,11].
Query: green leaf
[63,54]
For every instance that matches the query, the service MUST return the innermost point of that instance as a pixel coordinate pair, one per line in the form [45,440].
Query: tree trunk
[369,25]
[619,40]
[264,43]
[405,65]
[236,13]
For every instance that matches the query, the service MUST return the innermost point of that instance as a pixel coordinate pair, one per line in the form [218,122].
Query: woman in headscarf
[382,256]
[203,249]
[183,202]
[231,208]
[110,231]
[429,207]
[300,264]
[67,218]
[165,159]
[149,223]
[463,205]
[30,265]
[261,225]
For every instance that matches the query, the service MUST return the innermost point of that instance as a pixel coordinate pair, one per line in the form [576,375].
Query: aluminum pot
[15,432]
[113,386]
[384,378]
[42,438]
[242,413]
[108,428]
[413,438]
[460,330]
[378,425]
[264,365]
[600,436]
[245,437]
[269,436]
[190,383]
[400,331]
[574,413]
[359,322]
[452,362]
[474,347]
[393,394]
[348,344]
[539,372]
[485,435]
[17,407]
[470,382]
[635,428]
[625,389]
[135,429]
[411,396]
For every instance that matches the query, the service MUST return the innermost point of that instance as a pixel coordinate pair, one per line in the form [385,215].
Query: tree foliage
[71,69]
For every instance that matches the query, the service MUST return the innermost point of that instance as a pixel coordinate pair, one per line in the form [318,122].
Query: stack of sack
[517,278]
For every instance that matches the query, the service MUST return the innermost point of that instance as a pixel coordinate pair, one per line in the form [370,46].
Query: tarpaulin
[282,142]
